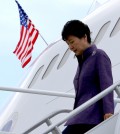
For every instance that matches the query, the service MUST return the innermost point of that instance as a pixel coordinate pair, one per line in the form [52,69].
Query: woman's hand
[106,116]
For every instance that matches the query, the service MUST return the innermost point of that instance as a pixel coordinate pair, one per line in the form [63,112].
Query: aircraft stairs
[109,126]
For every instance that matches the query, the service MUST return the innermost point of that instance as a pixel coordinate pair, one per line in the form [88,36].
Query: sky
[48,16]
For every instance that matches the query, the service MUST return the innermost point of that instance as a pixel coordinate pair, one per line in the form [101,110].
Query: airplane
[47,91]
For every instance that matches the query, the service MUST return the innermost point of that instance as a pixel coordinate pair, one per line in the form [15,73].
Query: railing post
[44,120]
[55,130]
[117,89]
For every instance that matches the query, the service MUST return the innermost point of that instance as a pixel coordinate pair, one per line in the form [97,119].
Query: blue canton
[23,16]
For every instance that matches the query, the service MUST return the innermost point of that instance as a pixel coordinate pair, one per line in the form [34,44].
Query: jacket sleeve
[104,71]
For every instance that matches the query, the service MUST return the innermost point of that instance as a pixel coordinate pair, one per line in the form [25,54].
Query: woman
[93,76]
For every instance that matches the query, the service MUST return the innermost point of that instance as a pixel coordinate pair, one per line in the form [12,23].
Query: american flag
[28,36]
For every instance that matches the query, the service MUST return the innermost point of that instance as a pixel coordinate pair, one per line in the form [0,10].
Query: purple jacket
[93,76]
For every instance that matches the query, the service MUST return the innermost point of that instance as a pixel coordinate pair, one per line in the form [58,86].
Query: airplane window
[50,67]
[101,33]
[7,126]
[64,59]
[36,76]
[116,28]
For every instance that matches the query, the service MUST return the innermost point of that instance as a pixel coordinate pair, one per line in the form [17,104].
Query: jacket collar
[89,51]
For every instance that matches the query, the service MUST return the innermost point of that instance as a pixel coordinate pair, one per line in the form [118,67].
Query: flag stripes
[28,37]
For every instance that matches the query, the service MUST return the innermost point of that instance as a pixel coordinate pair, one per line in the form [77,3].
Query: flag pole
[43,39]
[90,6]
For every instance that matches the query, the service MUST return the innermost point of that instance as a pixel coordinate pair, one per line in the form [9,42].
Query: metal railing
[38,91]
[69,95]
[48,121]
[85,105]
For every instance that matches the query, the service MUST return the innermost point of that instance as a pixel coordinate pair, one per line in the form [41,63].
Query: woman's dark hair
[76,28]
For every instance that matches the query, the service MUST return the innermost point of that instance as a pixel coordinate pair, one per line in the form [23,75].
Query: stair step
[106,127]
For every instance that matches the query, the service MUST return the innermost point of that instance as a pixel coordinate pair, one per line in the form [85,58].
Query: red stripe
[36,36]
[25,63]
[26,53]
[23,37]
[30,43]
[26,43]
[22,28]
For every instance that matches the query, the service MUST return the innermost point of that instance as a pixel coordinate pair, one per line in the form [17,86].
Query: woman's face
[77,45]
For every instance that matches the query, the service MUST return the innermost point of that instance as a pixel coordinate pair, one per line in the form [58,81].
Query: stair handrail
[49,116]
[115,87]
[38,91]
[43,92]
[86,105]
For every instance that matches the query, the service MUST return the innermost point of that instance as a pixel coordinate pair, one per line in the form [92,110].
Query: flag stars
[25,45]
